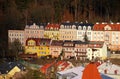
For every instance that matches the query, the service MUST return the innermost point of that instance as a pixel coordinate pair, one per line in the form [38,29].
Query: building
[16,34]
[110,69]
[34,31]
[69,49]
[9,69]
[84,28]
[56,66]
[68,31]
[38,45]
[97,50]
[52,31]
[109,33]
[56,48]
[73,73]
[81,50]
[89,72]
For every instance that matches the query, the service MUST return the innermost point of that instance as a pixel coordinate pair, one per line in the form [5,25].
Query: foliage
[15,48]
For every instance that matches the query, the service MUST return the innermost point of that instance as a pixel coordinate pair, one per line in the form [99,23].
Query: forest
[15,14]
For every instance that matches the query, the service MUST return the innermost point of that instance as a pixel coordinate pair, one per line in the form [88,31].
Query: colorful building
[34,31]
[84,28]
[56,48]
[97,50]
[68,31]
[109,33]
[52,31]
[37,45]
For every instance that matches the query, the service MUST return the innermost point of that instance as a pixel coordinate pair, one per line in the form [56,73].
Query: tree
[85,38]
[15,48]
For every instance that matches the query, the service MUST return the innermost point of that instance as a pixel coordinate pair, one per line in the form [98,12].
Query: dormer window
[84,27]
[73,27]
[89,28]
[80,28]
[107,27]
[62,26]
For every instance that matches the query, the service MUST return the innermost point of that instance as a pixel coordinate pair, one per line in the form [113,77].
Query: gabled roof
[40,41]
[6,67]
[37,40]
[62,64]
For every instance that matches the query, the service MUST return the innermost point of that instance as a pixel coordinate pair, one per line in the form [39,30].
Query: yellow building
[52,31]
[37,45]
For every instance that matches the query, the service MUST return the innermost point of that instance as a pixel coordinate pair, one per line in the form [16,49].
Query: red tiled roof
[35,39]
[63,65]
[91,72]
[100,27]
[54,26]
[39,41]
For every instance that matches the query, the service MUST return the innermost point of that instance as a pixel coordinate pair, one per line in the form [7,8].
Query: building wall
[98,52]
[16,34]
[54,35]
[68,34]
[55,50]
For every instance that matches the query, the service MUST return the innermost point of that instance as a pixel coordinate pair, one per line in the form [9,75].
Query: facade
[52,31]
[39,46]
[56,48]
[82,29]
[81,50]
[97,50]
[34,31]
[16,34]
[108,32]
[69,49]
[110,69]
[68,31]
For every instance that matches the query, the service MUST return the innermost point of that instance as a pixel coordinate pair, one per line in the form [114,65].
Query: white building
[97,50]
[16,34]
[110,69]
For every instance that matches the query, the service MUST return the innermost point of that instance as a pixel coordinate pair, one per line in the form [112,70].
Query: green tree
[85,38]
[15,48]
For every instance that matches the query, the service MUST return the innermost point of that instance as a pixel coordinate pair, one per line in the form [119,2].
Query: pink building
[56,48]
[34,31]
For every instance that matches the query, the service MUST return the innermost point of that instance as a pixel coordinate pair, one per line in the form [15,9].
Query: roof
[95,44]
[100,26]
[111,68]
[52,27]
[76,70]
[62,64]
[37,40]
[40,41]
[57,43]
[91,72]
[68,43]
[77,24]
[7,66]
